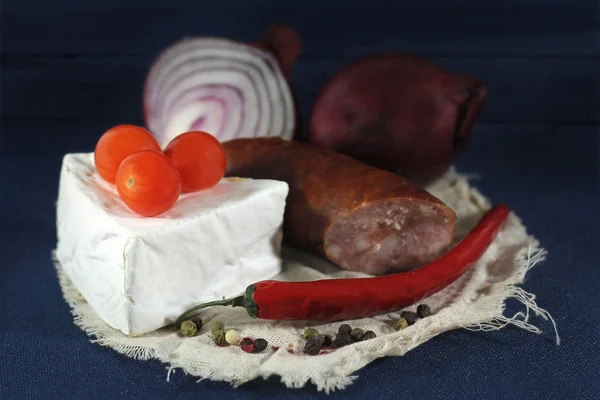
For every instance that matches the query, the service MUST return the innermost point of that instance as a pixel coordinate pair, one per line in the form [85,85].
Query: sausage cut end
[389,236]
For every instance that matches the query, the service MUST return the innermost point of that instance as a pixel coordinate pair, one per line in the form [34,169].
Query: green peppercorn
[188,328]
[260,344]
[327,340]
[310,332]
[342,339]
[368,335]
[345,328]
[313,346]
[356,334]
[423,311]
[410,317]
[401,323]
[219,336]
[216,326]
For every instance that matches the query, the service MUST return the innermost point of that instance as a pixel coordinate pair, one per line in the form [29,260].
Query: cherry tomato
[118,143]
[200,159]
[148,182]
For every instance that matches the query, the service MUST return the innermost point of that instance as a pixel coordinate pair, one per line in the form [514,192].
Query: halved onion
[226,88]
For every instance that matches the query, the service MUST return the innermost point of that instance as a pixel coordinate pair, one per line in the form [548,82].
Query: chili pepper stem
[234,301]
[244,300]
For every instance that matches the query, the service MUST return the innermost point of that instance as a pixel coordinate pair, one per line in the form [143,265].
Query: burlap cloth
[475,302]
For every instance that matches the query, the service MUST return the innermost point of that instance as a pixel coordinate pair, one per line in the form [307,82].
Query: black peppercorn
[356,334]
[368,335]
[410,317]
[259,345]
[423,311]
[342,339]
[313,346]
[345,328]
[320,337]
[198,322]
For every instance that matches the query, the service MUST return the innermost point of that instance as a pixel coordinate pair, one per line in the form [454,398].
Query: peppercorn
[188,328]
[313,346]
[247,345]
[368,335]
[401,323]
[216,326]
[260,344]
[310,332]
[233,337]
[356,334]
[327,340]
[410,317]
[198,321]
[423,311]
[345,328]
[219,336]
[342,339]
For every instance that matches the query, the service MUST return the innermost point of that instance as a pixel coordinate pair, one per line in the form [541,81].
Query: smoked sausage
[359,217]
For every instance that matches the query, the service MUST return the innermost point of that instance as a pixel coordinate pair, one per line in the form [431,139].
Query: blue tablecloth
[536,148]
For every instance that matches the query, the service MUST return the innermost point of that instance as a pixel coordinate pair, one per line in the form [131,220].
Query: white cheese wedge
[140,273]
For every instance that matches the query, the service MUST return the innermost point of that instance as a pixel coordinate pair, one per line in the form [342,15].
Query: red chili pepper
[343,299]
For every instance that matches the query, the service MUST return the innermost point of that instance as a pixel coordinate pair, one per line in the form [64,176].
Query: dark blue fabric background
[71,69]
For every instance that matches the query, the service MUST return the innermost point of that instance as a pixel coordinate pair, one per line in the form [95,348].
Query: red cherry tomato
[148,183]
[118,143]
[200,159]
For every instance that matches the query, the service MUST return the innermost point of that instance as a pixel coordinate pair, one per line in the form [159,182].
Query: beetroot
[284,43]
[399,112]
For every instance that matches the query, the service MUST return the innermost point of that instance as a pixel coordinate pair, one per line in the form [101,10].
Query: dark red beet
[284,43]
[399,112]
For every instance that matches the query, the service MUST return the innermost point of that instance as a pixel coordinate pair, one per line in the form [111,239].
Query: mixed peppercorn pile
[316,342]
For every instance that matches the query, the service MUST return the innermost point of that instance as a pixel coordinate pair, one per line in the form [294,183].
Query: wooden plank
[494,143]
[541,172]
[550,166]
[553,167]
[521,90]
[568,154]
[337,27]
[178,5]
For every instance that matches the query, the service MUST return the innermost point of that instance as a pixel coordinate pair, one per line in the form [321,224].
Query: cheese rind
[140,273]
